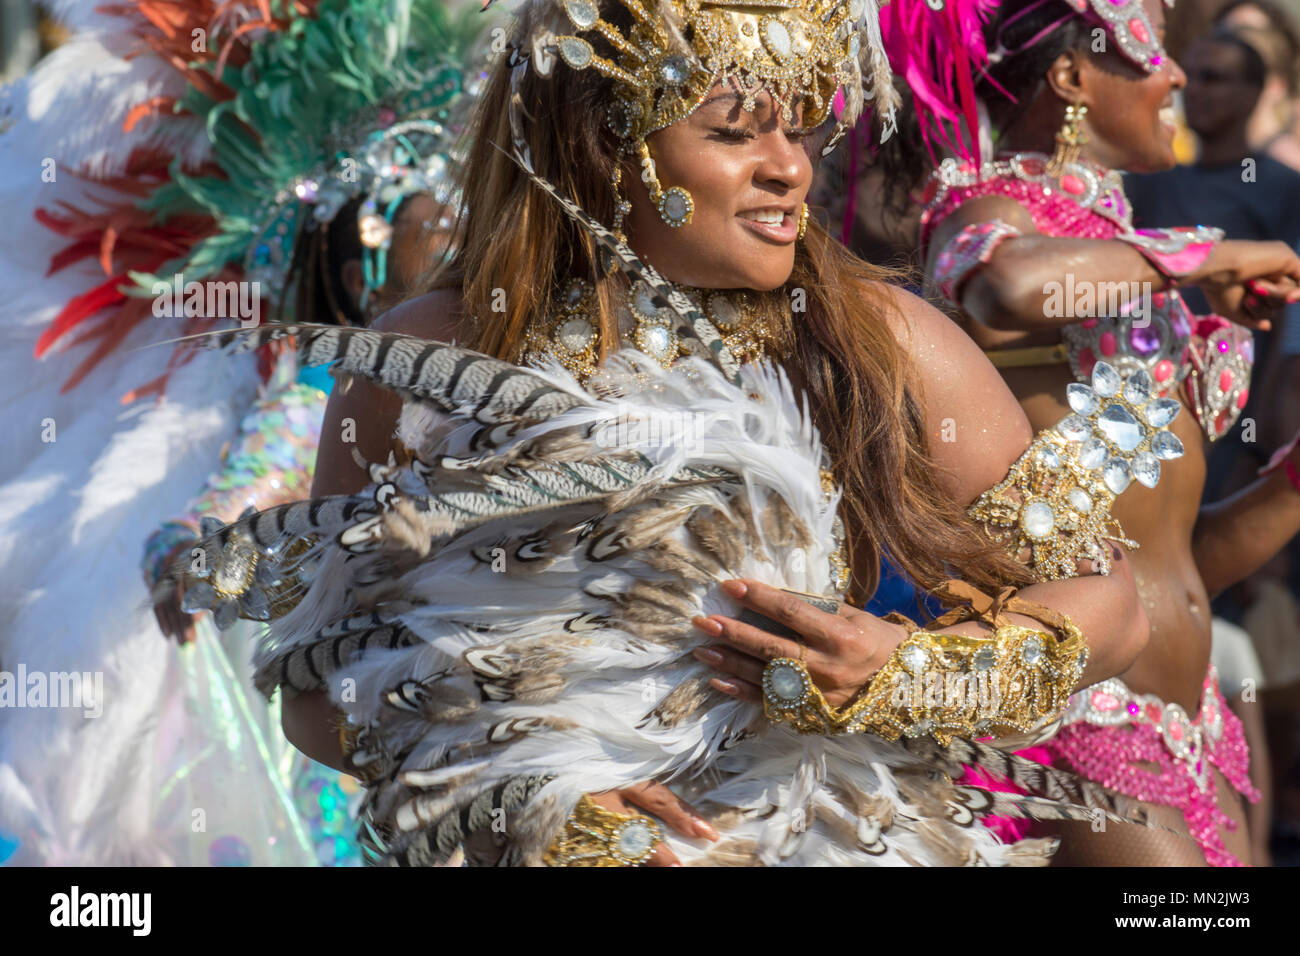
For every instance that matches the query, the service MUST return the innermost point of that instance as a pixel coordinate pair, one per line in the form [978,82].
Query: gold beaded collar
[571,333]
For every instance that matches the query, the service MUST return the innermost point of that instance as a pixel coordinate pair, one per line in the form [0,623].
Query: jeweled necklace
[571,332]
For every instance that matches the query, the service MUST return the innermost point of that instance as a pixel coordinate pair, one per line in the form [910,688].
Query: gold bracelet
[1016,680]
[594,836]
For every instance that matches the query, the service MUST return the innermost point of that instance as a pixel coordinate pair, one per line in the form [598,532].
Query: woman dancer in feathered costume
[1046,216]
[180,734]
[568,586]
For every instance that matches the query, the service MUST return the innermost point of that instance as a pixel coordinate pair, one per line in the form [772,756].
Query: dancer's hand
[1248,282]
[175,623]
[172,621]
[665,806]
[842,651]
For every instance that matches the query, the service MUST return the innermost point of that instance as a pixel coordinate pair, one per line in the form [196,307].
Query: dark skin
[750,163]
[1187,553]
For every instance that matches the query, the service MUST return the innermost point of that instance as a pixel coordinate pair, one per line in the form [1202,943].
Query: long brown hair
[515,248]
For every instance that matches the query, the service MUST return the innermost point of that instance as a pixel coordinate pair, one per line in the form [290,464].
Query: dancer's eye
[732,132]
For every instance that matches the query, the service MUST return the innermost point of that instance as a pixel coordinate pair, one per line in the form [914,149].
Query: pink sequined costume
[1108,729]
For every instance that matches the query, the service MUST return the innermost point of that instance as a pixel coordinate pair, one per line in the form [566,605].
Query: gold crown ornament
[800,51]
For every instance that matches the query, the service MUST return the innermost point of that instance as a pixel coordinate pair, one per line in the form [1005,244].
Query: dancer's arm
[1235,537]
[977,431]
[1015,289]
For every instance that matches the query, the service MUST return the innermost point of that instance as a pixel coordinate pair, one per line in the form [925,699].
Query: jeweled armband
[1056,501]
[971,248]
[595,836]
[1175,253]
[1016,680]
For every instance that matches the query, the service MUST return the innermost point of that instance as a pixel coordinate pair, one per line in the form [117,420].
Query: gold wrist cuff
[594,836]
[1016,680]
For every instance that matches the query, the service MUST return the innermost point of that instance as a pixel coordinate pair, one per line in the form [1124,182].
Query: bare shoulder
[975,427]
[435,315]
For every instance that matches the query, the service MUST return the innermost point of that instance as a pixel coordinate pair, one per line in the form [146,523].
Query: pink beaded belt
[1108,731]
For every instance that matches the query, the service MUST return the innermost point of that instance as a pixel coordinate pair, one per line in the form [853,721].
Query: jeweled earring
[675,205]
[1070,139]
[803,221]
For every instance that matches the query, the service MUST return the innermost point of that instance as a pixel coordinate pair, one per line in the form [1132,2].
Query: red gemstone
[1153,713]
[1139,30]
[1176,731]
[1164,369]
[1225,380]
[1108,344]
[1072,184]
[1242,397]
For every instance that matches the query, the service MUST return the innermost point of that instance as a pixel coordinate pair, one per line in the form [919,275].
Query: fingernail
[737,589]
[703,829]
[708,655]
[1254,286]
[726,686]
[671,865]
[708,626]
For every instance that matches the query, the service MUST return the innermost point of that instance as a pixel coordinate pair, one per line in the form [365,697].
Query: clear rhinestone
[583,13]
[256,604]
[1137,388]
[1049,457]
[915,657]
[1080,501]
[675,70]
[656,340]
[1081,398]
[1117,475]
[674,206]
[1166,445]
[1092,454]
[984,659]
[1161,412]
[1032,650]
[725,311]
[786,682]
[1118,424]
[575,335]
[1037,519]
[199,596]
[777,39]
[635,840]
[225,614]
[1105,380]
[576,52]
[1074,428]
[1146,469]
[573,294]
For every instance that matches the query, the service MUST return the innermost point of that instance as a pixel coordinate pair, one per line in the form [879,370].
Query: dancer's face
[1130,119]
[740,169]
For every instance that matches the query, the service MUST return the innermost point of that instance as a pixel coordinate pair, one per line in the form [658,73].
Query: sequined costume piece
[1108,730]
[1206,356]
[969,249]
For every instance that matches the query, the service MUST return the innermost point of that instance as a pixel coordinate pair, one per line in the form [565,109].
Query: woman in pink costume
[1033,247]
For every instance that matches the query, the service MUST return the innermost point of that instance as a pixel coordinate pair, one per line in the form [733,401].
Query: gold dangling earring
[676,207]
[803,221]
[1070,139]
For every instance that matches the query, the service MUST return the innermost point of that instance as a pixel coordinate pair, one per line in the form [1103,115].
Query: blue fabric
[896,592]
[317,376]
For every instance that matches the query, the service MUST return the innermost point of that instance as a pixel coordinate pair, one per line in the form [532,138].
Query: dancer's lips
[774,223]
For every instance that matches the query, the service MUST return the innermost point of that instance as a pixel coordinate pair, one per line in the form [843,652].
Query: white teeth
[1167,115]
[773,217]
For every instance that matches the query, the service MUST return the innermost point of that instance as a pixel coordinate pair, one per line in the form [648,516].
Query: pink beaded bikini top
[1209,357]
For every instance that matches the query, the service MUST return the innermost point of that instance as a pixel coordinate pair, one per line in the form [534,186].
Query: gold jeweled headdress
[800,51]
